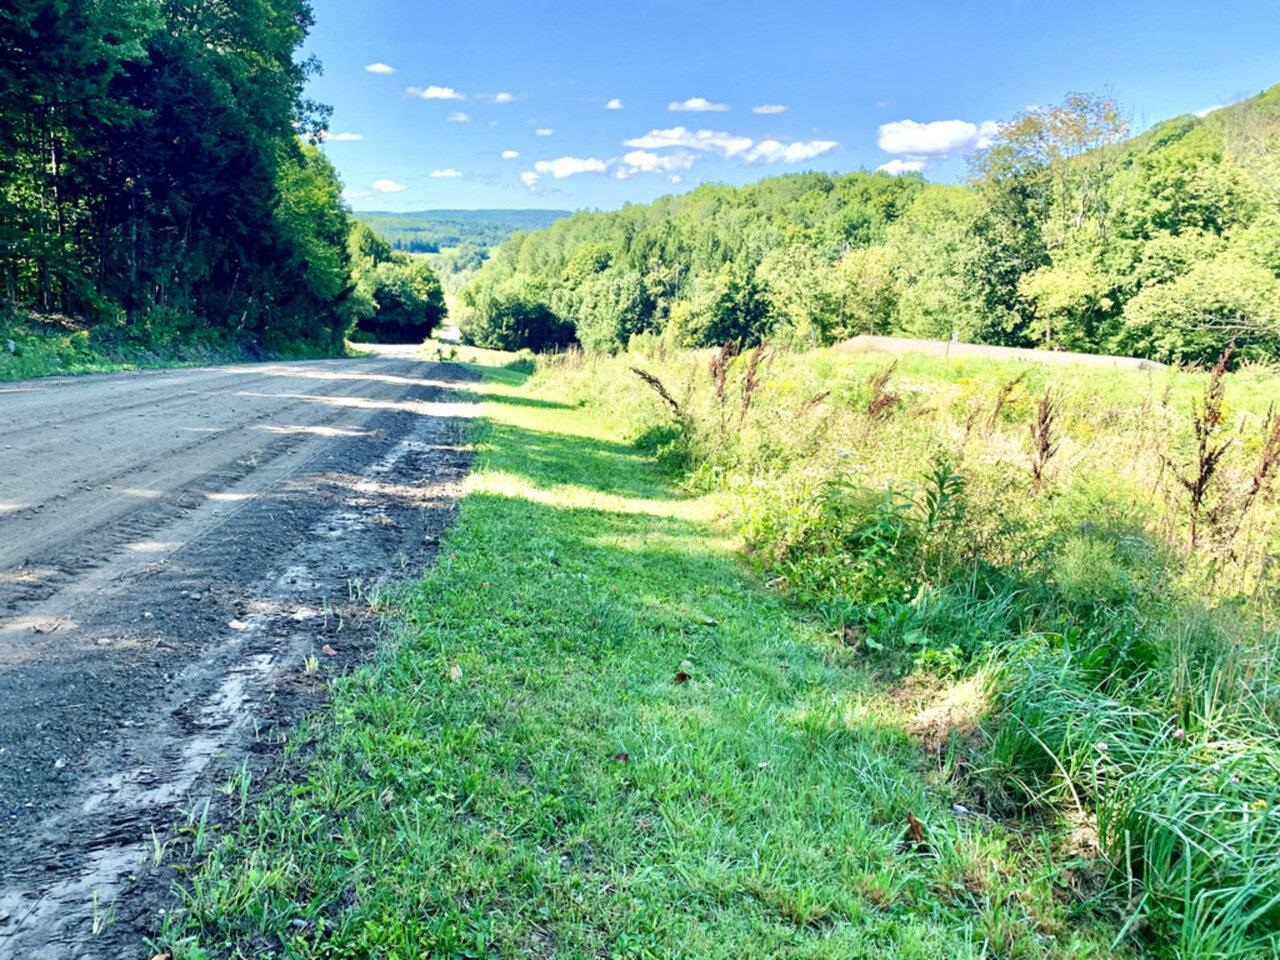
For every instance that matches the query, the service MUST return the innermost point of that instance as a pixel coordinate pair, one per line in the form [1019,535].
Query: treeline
[158,176]
[430,231]
[1067,236]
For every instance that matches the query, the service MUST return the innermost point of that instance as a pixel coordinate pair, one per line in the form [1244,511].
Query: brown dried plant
[1206,421]
[1044,439]
[882,401]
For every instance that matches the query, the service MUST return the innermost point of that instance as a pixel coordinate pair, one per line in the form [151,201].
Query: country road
[184,556]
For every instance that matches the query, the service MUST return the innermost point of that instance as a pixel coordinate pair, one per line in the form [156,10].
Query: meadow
[803,655]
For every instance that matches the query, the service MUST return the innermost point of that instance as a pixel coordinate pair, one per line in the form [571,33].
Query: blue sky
[594,104]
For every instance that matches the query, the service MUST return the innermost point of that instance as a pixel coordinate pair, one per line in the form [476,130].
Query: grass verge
[51,347]
[596,735]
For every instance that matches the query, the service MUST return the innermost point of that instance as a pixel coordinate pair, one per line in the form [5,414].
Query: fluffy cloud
[433,92]
[379,68]
[510,154]
[570,166]
[696,105]
[675,178]
[446,172]
[642,161]
[457,117]
[714,141]
[768,108]
[356,194]
[503,97]
[543,132]
[897,166]
[614,104]
[341,137]
[387,186]
[775,151]
[938,138]
[529,179]
[1208,110]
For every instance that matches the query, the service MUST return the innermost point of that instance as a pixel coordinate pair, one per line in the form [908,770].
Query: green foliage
[1068,237]
[151,176]
[718,263]
[512,317]
[1124,673]
[591,733]
[431,231]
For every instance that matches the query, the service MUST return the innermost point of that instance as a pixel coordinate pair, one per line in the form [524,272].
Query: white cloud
[934,139]
[726,144]
[356,194]
[529,179]
[1208,110]
[898,166]
[457,117]
[642,161]
[387,186]
[433,92]
[614,104]
[768,108]
[775,151]
[341,137]
[696,105]
[570,166]
[510,154]
[379,68]
[503,97]
[446,172]
[543,132]
[675,178]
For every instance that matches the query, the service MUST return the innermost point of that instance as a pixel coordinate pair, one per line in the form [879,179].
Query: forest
[161,186]
[1069,234]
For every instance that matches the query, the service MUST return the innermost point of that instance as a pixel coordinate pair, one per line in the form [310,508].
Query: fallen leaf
[161,956]
[681,677]
[915,831]
[455,673]
[328,651]
[622,757]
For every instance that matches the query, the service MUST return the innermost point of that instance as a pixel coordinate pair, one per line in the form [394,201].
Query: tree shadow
[548,460]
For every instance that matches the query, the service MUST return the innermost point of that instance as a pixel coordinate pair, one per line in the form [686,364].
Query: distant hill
[1069,235]
[430,231]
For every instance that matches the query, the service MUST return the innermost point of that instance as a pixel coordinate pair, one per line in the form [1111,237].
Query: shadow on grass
[548,460]
[520,401]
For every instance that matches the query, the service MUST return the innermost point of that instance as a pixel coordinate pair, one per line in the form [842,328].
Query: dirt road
[184,556]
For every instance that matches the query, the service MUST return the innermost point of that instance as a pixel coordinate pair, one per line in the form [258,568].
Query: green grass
[595,734]
[34,348]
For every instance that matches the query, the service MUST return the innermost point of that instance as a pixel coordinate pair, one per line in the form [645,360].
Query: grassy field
[596,734]
[827,671]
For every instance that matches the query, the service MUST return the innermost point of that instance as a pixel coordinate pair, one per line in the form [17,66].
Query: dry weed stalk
[1268,460]
[882,401]
[1044,440]
[718,367]
[812,402]
[657,387]
[751,379]
[1206,419]
[1002,398]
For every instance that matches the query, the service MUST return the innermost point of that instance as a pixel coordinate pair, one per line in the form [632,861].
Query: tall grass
[1102,544]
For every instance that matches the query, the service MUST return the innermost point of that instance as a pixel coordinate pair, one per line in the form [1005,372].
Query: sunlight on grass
[596,735]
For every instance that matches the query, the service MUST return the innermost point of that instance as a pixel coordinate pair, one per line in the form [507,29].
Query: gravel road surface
[185,556]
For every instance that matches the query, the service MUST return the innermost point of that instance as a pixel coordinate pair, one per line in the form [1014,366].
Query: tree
[408,300]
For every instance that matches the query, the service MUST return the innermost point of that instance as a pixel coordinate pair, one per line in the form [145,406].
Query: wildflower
[1101,747]
[1179,734]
